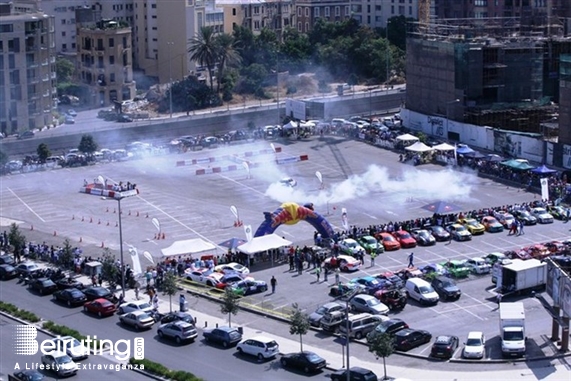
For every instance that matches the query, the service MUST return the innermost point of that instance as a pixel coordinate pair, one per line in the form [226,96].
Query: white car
[232,268]
[350,246]
[261,347]
[137,319]
[71,346]
[204,276]
[71,112]
[475,346]
[478,265]
[60,363]
[288,182]
[504,218]
[135,305]
[345,263]
[543,217]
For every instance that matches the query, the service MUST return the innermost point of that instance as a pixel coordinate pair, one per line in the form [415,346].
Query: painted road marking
[26,205]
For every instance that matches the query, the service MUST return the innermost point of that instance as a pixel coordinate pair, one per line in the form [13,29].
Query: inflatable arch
[290,213]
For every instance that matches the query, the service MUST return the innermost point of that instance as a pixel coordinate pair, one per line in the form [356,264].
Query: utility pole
[170,44]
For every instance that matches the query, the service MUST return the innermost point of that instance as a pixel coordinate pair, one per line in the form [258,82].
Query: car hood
[315,316]
[451,289]
[473,349]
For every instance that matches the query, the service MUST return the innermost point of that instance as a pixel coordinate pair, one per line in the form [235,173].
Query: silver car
[137,319]
[179,331]
[368,303]
[315,317]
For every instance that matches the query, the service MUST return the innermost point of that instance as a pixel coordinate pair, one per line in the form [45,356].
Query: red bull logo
[290,213]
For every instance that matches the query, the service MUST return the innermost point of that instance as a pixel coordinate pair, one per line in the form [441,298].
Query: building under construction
[495,72]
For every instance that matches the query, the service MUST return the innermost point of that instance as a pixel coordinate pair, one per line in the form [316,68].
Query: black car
[446,288]
[439,233]
[26,375]
[26,135]
[7,260]
[176,316]
[227,336]
[355,374]
[92,293]
[390,326]
[444,346]
[407,338]
[307,361]
[7,272]
[70,296]
[44,286]
[65,283]
[526,217]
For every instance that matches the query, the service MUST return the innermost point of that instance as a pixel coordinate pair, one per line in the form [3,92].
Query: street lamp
[388,55]
[447,111]
[169,44]
[347,336]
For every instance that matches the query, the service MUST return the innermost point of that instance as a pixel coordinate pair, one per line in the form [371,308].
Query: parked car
[43,286]
[259,346]
[388,241]
[232,268]
[96,292]
[70,296]
[355,374]
[543,217]
[478,265]
[371,284]
[7,260]
[69,119]
[331,321]
[350,247]
[444,346]
[26,135]
[473,226]
[434,269]
[343,262]
[456,268]
[390,326]
[316,316]
[446,288]
[138,319]
[307,361]
[492,225]
[421,291]
[7,272]
[394,298]
[60,363]
[135,305]
[405,239]
[179,331]
[368,303]
[371,245]
[71,346]
[393,278]
[504,218]
[27,269]
[227,280]
[249,286]
[439,233]
[26,375]
[407,339]
[226,336]
[475,346]
[459,232]
[526,217]
[207,278]
[178,316]
[494,257]
[558,212]
[101,307]
[343,289]
[71,112]
[423,237]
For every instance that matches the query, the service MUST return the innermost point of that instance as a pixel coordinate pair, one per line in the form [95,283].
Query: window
[154,6]
[337,11]
[347,13]
[111,60]
[306,11]
[306,27]
[233,11]
[299,27]
[409,10]
[63,34]
[316,11]
[299,15]
[256,25]
[111,42]
[11,61]
[327,14]
[480,3]
[257,10]
[63,22]
[112,77]
[64,47]
[73,46]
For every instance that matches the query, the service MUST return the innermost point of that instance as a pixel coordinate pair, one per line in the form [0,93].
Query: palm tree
[227,54]
[202,48]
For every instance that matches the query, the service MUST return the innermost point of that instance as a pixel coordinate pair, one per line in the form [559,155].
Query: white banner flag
[344,219]
[544,189]
[135,259]
[248,232]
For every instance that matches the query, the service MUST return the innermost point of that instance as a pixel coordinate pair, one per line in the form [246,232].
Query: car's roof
[444,339]
[262,339]
[227,329]
[475,335]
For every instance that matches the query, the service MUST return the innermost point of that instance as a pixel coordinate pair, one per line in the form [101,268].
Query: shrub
[62,330]
[162,371]
[19,313]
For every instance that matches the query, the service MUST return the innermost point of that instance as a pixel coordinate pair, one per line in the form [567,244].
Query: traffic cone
[129,212]
[55,233]
[137,214]
[107,223]
[90,220]
[99,222]
[82,219]
[32,227]
[72,217]
[80,239]
[163,236]
[102,245]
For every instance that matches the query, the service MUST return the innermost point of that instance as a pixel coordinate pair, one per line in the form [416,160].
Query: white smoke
[414,183]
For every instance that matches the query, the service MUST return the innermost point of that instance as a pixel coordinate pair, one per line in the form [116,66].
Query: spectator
[273,283]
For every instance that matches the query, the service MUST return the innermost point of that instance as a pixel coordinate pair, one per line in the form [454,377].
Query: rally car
[473,226]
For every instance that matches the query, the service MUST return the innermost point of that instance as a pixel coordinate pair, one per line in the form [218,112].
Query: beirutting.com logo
[25,344]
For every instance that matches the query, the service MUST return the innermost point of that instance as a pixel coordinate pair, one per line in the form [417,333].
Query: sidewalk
[558,370]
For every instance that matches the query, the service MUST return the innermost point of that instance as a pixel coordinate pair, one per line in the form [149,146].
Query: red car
[101,307]
[404,238]
[228,280]
[388,241]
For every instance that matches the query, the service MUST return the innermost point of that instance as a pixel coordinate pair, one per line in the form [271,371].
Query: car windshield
[473,223]
[143,306]
[369,240]
[473,342]
[447,283]
[460,228]
[73,343]
[321,310]
[425,289]
[404,235]
[373,302]
[388,238]
[540,211]
[513,336]
[63,359]
[350,244]
[312,357]
[143,316]
[238,267]
[492,221]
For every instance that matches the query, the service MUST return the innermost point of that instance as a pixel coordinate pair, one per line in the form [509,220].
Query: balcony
[32,48]
[53,75]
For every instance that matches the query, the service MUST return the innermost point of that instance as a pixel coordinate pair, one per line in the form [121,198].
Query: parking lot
[369,182]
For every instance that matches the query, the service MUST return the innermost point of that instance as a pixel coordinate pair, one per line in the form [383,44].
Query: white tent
[444,147]
[407,138]
[293,125]
[263,243]
[419,147]
[189,246]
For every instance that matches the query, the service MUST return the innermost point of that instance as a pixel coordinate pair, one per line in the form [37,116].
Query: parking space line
[477,300]
[465,309]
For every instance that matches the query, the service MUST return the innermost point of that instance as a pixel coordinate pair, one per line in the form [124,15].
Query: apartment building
[525,9]
[104,58]
[27,69]
[376,13]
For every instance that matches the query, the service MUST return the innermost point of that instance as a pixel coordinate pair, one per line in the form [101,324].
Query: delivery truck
[521,276]
[512,329]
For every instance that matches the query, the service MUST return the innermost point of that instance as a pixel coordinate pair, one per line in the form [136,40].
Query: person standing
[521,225]
[373,256]
[411,260]
[182,302]
[273,283]
[318,273]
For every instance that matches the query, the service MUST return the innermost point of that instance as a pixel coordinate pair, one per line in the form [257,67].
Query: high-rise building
[565,103]
[27,69]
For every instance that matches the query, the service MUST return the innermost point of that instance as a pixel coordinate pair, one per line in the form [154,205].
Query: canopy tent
[444,147]
[441,207]
[189,246]
[475,155]
[263,243]
[519,164]
[463,149]
[407,138]
[232,243]
[493,158]
[293,125]
[419,147]
[543,170]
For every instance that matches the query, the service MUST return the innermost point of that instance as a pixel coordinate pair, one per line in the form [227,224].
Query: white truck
[512,329]
[520,276]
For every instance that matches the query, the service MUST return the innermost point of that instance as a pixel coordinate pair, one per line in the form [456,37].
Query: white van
[421,291]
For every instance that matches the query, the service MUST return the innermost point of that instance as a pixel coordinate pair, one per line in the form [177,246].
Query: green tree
[381,345]
[64,70]
[298,324]
[230,304]
[203,49]
[109,270]
[43,152]
[227,55]
[87,145]
[65,258]
[169,286]
[17,239]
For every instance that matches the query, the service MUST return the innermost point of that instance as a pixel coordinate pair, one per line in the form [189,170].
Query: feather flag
[344,219]
[234,212]
[157,224]
[135,259]
[248,232]
[319,177]
[149,257]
